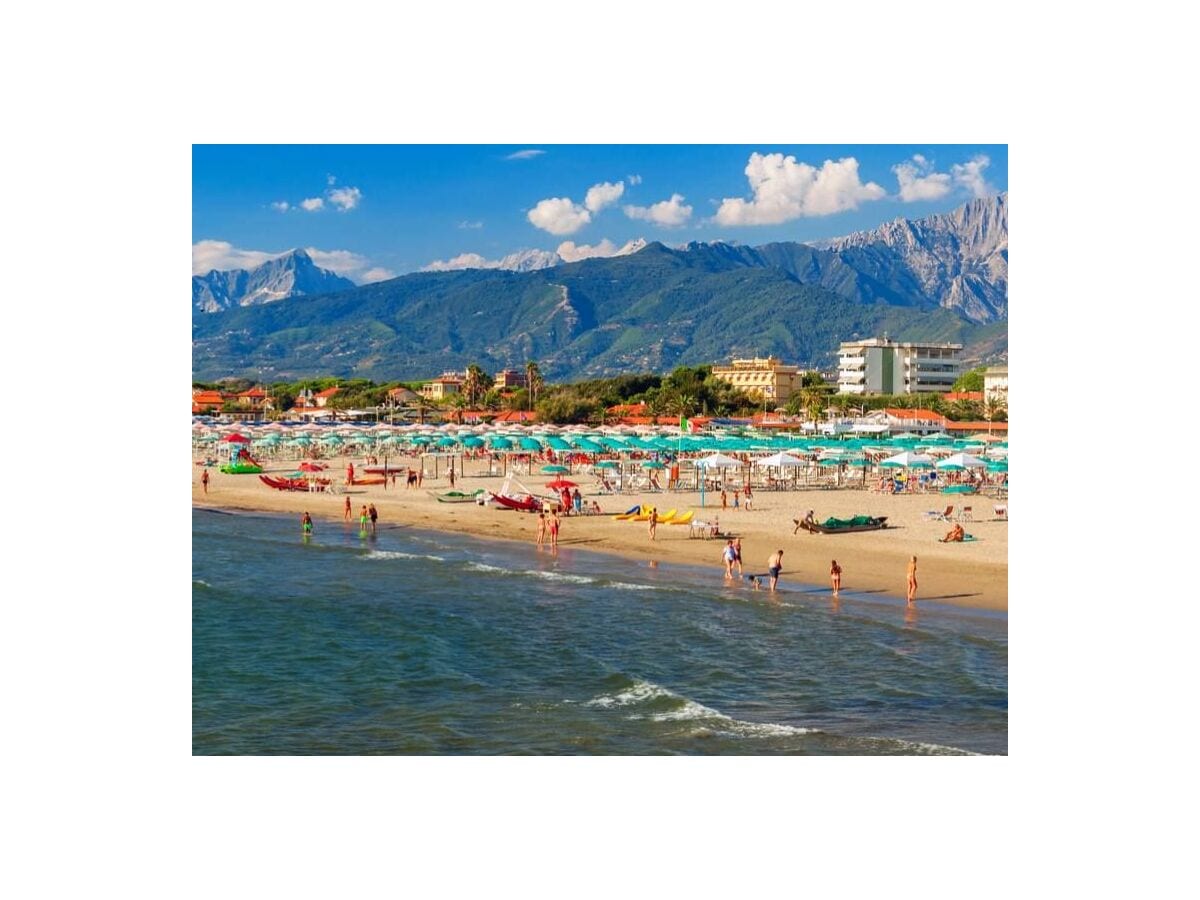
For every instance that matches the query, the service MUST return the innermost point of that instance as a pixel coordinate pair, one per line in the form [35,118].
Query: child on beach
[363,518]
[306,523]
[835,576]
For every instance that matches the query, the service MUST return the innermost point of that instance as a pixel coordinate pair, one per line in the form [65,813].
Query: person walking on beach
[349,473]
[737,550]
[374,514]
[729,554]
[204,480]
[775,567]
[348,512]
[724,499]
[541,527]
[306,524]
[554,524]
[653,522]
[835,577]
[577,500]
[452,476]
[912,580]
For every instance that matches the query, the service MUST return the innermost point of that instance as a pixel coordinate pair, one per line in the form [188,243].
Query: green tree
[971,380]
[533,381]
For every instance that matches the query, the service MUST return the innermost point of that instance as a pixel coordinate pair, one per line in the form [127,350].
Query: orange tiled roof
[253,392]
[516,415]
[328,392]
[925,415]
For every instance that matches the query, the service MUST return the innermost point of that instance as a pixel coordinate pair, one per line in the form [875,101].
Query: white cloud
[634,179]
[209,255]
[569,251]
[466,224]
[603,194]
[376,274]
[970,176]
[918,181]
[330,180]
[785,189]
[345,199]
[281,205]
[462,261]
[671,213]
[312,204]
[525,154]
[559,215]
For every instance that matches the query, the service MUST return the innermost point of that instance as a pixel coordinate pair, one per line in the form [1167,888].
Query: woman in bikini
[541,527]
[912,580]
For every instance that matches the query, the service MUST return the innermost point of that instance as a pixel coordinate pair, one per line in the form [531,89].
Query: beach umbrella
[557,443]
[908,460]
[236,438]
[559,484]
[717,460]
[939,436]
[962,461]
[472,442]
[779,459]
[555,470]
[607,464]
[528,443]
[652,464]
[499,443]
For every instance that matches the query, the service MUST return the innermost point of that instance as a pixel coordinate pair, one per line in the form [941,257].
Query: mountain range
[294,274]
[944,278]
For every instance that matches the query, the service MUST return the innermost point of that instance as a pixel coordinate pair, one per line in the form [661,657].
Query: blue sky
[374,211]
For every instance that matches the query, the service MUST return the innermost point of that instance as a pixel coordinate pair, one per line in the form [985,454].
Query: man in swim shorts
[774,567]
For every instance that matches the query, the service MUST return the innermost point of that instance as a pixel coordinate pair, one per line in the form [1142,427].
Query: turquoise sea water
[424,643]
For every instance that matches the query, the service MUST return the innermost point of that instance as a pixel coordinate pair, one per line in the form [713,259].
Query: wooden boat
[844,526]
[293,484]
[525,504]
[455,496]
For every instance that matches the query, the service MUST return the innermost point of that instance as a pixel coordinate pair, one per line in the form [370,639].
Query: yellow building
[767,378]
[442,387]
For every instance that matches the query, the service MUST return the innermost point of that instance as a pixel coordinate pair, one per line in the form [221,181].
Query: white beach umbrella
[907,459]
[780,459]
[965,460]
[718,460]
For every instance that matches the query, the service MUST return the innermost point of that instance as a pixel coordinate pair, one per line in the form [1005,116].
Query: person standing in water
[835,577]
[912,580]
[653,522]
[363,518]
[554,524]
[775,567]
[737,557]
[541,527]
[374,514]
[306,524]
[348,512]
[729,555]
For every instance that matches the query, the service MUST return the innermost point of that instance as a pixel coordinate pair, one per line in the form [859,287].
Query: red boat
[525,504]
[293,484]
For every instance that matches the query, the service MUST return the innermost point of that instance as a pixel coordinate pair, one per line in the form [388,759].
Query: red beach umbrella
[559,483]
[236,438]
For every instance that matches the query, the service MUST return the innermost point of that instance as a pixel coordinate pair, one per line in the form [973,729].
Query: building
[445,385]
[995,384]
[767,378]
[882,366]
[255,400]
[207,401]
[509,380]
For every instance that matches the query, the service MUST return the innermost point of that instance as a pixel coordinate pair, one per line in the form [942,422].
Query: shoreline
[973,575]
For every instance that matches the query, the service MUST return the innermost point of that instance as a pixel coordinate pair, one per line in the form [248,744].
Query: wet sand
[971,574]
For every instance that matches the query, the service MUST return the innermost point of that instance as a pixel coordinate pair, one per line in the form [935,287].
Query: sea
[422,642]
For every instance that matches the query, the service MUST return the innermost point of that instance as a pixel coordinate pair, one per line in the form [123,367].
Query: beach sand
[971,574]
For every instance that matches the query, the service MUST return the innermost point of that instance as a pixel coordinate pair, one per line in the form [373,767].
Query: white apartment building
[883,366]
[995,384]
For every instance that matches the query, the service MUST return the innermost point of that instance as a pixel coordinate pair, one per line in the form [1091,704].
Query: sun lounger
[940,516]
[1001,511]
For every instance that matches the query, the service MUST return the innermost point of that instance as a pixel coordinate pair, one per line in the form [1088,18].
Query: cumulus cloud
[970,176]
[569,251]
[671,213]
[462,261]
[634,179]
[525,154]
[346,198]
[602,195]
[559,215]
[312,204]
[281,205]
[378,273]
[209,255]
[918,181]
[467,224]
[343,262]
[785,189]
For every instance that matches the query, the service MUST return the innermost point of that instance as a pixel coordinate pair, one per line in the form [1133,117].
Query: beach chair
[1001,511]
[698,528]
[941,516]
[965,515]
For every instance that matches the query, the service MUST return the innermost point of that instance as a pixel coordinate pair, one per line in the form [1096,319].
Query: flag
[683,423]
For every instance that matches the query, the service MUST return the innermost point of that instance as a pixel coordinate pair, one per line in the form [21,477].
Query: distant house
[444,386]
[322,399]
[995,383]
[917,420]
[516,416]
[509,380]
[402,396]
[255,399]
[207,402]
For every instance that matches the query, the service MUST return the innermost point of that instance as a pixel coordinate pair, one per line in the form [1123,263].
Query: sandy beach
[973,574]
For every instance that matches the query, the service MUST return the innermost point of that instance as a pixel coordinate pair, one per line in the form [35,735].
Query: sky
[372,212]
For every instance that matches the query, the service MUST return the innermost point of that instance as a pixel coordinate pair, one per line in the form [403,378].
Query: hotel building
[882,366]
[767,378]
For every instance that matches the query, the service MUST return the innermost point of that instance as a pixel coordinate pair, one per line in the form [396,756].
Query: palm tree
[533,381]
[475,383]
[458,402]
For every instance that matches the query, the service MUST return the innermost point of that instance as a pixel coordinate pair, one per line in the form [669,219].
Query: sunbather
[956,534]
